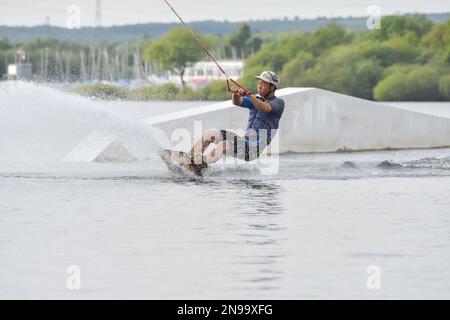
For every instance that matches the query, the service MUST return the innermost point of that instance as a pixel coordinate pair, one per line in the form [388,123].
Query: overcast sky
[119,12]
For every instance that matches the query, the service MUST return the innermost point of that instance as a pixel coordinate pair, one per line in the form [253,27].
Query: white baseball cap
[270,77]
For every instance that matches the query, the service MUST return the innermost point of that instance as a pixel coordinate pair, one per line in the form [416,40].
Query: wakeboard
[179,162]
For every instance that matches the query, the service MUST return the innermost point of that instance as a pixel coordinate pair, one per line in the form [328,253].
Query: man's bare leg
[201,145]
[216,153]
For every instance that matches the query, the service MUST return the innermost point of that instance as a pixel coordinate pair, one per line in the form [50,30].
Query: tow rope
[231,84]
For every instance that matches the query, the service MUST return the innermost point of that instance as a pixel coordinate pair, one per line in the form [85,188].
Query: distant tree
[447,55]
[444,86]
[175,51]
[255,44]
[239,40]
[5,44]
[227,51]
[343,70]
[327,37]
[438,37]
[295,69]
[394,50]
[421,83]
[399,25]
[274,56]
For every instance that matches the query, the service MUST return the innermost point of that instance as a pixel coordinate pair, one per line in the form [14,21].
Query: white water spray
[41,124]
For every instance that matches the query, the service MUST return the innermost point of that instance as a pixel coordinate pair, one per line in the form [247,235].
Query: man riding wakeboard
[265,111]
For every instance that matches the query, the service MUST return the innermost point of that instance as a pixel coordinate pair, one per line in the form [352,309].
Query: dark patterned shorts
[242,147]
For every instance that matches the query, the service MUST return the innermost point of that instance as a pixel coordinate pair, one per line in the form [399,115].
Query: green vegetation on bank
[216,90]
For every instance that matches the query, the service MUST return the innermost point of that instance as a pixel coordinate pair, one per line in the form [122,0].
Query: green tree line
[408,59]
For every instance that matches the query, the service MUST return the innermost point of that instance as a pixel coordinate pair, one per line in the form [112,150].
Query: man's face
[263,87]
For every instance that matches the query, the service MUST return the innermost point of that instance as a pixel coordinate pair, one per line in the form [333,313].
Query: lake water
[316,229]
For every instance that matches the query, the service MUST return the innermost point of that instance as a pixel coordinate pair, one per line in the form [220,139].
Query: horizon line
[289,19]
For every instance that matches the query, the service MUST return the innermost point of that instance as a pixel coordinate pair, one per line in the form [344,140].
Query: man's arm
[263,106]
[237,99]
